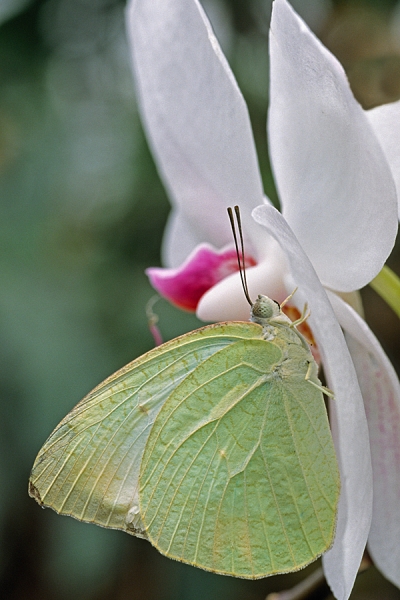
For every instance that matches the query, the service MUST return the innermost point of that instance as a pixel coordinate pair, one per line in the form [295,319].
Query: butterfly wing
[89,466]
[239,474]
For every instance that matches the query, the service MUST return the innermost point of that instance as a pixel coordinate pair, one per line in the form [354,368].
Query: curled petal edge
[349,424]
[381,393]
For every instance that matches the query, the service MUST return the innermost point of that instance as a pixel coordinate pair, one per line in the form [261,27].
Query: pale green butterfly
[214,446]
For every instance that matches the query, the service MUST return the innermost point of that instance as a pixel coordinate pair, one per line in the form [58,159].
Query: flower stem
[303,589]
[387,285]
[314,585]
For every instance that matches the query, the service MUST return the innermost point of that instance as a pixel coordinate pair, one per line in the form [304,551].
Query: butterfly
[214,446]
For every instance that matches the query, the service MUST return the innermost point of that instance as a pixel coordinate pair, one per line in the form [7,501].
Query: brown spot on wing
[34,493]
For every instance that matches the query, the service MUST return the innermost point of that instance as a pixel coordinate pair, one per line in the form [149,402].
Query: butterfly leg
[303,317]
[319,386]
[286,300]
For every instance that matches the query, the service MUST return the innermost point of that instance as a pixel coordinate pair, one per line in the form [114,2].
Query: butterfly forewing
[239,474]
[89,466]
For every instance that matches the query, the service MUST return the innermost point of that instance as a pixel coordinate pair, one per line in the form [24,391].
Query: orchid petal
[335,185]
[179,240]
[350,428]
[385,121]
[226,300]
[381,392]
[195,117]
[202,270]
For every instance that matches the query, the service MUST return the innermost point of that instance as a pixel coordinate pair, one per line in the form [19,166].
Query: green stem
[302,590]
[315,582]
[387,285]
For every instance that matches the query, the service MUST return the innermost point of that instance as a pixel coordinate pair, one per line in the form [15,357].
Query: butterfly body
[214,446]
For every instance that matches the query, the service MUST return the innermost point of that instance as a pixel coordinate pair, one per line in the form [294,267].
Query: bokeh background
[82,213]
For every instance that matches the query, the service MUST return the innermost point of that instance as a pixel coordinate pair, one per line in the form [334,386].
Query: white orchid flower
[337,228]
[385,121]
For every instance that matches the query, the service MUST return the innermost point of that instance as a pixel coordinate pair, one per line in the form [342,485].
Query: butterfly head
[264,309]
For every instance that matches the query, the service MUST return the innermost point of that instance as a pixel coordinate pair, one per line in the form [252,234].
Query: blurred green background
[82,213]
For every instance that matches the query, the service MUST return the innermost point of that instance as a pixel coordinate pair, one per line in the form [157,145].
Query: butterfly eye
[264,308]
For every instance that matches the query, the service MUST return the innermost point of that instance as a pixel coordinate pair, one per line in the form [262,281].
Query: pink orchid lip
[205,267]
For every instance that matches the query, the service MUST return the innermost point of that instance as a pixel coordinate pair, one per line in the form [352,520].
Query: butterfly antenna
[239,254]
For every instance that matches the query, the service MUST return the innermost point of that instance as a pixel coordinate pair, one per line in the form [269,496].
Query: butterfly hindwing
[239,474]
